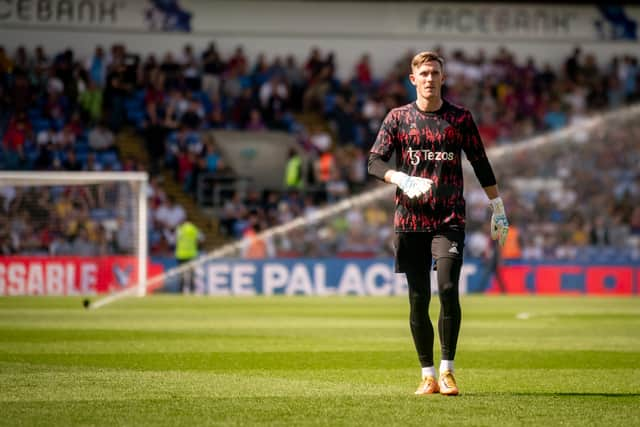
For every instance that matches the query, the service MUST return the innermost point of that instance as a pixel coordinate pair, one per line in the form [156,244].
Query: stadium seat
[34,114]
[204,100]
[40,124]
[107,158]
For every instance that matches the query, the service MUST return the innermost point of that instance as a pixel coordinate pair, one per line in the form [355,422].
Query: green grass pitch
[174,360]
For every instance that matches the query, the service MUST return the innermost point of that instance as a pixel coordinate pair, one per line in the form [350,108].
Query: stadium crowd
[61,112]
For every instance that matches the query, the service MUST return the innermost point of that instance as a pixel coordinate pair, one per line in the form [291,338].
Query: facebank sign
[595,22]
[153,15]
[352,20]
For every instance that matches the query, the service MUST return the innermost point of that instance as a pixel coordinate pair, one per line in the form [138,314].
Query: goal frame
[139,180]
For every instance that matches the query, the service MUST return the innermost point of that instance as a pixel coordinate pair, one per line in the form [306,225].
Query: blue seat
[81,149]
[139,96]
[107,158]
[82,157]
[58,124]
[329,103]
[34,114]
[204,100]
[40,125]
[132,103]
[135,115]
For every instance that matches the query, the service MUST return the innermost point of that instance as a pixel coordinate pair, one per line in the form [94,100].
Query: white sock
[429,371]
[446,365]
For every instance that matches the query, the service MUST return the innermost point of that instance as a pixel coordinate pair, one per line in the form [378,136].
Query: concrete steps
[131,146]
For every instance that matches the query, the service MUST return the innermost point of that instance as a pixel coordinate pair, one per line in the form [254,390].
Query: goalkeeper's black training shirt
[429,145]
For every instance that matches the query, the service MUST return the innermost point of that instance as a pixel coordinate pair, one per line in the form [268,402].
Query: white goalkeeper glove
[499,223]
[412,186]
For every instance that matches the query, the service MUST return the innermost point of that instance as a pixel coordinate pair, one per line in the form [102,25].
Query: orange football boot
[447,384]
[429,385]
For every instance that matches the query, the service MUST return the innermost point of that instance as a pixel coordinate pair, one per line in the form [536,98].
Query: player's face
[428,79]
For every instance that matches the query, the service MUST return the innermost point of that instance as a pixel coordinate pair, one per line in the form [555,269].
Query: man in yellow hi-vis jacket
[187,239]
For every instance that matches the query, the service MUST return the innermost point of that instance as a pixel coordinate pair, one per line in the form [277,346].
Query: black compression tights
[448,271]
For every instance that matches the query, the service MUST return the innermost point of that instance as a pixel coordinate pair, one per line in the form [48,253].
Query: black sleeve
[483,171]
[474,149]
[383,147]
[472,143]
[377,167]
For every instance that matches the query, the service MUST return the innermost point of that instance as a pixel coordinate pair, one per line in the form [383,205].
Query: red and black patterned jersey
[430,145]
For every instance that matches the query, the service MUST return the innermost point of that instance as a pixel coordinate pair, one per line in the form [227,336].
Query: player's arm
[491,191]
[412,186]
[379,168]
[383,148]
[474,149]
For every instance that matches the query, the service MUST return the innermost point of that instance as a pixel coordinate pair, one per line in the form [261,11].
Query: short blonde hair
[424,57]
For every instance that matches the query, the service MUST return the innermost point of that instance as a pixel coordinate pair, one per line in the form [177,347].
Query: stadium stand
[118,111]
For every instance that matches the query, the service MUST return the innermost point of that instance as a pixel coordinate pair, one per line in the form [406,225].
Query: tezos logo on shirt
[415,156]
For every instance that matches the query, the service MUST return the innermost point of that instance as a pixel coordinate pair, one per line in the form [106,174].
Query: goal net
[73,233]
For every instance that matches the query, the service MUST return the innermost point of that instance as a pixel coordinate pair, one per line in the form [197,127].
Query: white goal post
[137,180]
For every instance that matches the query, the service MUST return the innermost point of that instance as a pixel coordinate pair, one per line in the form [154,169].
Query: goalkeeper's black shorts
[413,249]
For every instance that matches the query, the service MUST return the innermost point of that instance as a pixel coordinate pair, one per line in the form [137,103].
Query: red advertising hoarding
[72,275]
[569,279]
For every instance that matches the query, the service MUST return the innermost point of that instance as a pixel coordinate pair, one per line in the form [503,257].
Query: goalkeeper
[428,137]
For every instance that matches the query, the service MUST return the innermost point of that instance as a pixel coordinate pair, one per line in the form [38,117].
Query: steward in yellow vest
[293,171]
[187,237]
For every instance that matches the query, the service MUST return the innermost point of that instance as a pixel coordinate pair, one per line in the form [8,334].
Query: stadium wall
[320,277]
[256,154]
[384,29]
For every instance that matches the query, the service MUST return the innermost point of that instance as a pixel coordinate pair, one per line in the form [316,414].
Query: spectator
[255,246]
[169,214]
[71,162]
[599,233]
[293,178]
[190,69]
[101,139]
[77,245]
[192,117]
[17,134]
[97,67]
[213,158]
[255,122]
[363,72]
[213,67]
[91,101]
